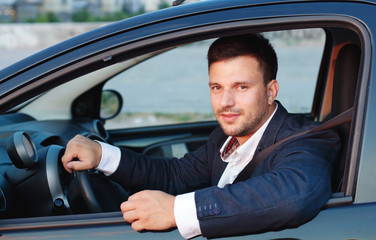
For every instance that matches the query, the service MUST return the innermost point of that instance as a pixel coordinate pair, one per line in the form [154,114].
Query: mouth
[230,117]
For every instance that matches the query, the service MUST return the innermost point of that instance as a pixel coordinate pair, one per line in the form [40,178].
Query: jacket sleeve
[287,189]
[175,176]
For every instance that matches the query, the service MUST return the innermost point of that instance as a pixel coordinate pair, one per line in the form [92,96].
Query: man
[200,193]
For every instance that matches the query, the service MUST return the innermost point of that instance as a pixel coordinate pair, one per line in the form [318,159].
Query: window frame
[217,30]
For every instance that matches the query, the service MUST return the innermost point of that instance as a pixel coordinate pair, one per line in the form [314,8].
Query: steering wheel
[93,192]
[85,189]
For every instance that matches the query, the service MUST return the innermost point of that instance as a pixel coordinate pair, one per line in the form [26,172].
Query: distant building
[7,12]
[133,6]
[152,5]
[99,7]
[111,6]
[25,10]
[61,8]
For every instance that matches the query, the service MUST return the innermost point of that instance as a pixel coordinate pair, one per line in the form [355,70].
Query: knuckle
[144,193]
[137,226]
[125,216]
[132,197]
[122,207]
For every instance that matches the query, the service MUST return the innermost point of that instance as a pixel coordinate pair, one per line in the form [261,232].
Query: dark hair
[254,45]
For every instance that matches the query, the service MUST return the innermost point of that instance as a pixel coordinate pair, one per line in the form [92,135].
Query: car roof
[136,22]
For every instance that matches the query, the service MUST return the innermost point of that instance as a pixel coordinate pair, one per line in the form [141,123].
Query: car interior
[32,137]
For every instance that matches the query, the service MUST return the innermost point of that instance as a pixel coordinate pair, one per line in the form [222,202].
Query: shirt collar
[250,145]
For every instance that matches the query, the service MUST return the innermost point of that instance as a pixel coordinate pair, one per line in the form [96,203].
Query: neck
[243,139]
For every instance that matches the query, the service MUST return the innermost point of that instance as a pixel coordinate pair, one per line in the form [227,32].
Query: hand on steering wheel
[92,192]
[85,190]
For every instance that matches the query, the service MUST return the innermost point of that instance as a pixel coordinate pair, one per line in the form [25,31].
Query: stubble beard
[249,124]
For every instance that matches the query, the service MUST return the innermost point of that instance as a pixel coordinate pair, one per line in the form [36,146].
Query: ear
[272,91]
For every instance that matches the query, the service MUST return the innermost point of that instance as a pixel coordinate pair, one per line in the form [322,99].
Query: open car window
[172,87]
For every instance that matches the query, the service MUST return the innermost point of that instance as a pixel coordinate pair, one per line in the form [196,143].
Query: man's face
[239,97]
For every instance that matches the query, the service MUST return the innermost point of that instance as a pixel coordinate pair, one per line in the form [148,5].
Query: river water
[178,81]
[160,85]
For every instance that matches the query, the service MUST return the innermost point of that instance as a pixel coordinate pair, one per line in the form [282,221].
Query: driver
[201,193]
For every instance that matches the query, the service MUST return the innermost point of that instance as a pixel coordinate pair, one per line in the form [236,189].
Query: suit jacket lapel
[218,165]
[271,132]
[268,138]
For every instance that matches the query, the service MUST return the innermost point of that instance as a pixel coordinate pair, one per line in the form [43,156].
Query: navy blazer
[287,189]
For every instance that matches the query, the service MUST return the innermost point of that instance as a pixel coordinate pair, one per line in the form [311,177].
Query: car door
[348,214]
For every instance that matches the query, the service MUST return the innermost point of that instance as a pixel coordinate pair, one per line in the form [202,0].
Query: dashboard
[32,179]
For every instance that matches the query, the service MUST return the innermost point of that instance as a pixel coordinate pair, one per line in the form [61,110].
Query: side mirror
[111,104]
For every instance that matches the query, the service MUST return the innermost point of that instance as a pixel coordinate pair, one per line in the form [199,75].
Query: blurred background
[21,11]
[27,26]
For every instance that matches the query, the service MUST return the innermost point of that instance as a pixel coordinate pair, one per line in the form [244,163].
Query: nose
[227,98]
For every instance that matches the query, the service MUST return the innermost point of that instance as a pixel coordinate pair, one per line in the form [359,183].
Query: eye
[215,88]
[242,87]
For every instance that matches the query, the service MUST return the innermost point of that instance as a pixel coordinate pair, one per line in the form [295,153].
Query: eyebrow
[234,84]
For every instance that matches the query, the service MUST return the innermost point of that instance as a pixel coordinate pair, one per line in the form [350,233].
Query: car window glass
[172,87]
[299,55]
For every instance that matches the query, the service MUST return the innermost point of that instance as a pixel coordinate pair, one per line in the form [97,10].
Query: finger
[138,226]
[130,216]
[127,206]
[66,160]
[68,167]
[78,165]
[69,154]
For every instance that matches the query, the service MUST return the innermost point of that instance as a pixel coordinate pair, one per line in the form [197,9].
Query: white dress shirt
[185,206]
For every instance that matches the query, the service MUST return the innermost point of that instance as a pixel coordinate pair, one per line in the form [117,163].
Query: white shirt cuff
[186,216]
[110,158]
